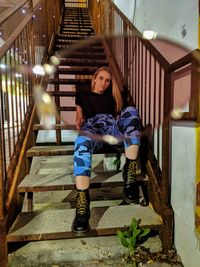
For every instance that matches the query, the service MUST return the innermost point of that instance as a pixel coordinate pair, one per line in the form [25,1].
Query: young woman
[103,111]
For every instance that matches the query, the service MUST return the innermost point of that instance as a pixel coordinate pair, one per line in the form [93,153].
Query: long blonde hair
[115,88]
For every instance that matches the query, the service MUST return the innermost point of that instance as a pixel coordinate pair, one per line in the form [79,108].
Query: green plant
[117,163]
[132,237]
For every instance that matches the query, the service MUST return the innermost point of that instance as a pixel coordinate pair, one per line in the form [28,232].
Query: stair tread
[54,182]
[63,150]
[80,35]
[56,173]
[82,47]
[81,62]
[56,223]
[76,70]
[79,32]
[86,55]
[62,93]
[68,81]
[89,43]
[49,150]
[37,127]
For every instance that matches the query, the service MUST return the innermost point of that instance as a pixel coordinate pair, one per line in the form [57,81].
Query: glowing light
[18,75]
[44,103]
[2,66]
[38,70]
[149,35]
[54,60]
[110,139]
[46,98]
[177,113]
[49,69]
[23,11]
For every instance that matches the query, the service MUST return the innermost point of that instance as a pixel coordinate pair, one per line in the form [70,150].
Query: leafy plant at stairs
[132,237]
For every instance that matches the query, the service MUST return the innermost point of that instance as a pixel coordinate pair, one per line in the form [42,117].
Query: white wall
[176,20]
[183,197]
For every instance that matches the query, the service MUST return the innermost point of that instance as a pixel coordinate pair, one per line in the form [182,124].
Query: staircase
[51,159]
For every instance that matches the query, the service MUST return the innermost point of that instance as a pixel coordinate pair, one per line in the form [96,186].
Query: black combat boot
[131,187]
[81,222]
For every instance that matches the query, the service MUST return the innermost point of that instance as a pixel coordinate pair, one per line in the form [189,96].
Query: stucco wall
[183,196]
[175,19]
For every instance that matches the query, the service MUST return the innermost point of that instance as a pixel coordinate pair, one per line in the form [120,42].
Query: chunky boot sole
[129,201]
[84,228]
[80,232]
[144,200]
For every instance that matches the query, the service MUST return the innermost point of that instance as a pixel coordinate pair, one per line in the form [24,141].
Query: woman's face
[101,82]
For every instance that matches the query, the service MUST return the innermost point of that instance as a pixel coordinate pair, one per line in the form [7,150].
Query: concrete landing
[98,251]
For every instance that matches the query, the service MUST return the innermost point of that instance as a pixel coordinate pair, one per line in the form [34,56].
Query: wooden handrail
[11,11]
[161,59]
[180,62]
[14,36]
[15,43]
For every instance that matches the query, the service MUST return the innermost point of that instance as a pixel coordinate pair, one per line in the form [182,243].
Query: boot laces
[131,172]
[82,203]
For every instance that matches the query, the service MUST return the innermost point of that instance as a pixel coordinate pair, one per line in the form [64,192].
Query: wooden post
[195,85]
[125,63]
[3,244]
[166,140]
[167,229]
[30,2]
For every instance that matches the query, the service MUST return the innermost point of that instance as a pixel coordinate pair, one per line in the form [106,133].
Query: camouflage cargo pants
[126,126]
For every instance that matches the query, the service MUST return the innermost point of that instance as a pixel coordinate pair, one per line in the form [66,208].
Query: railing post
[194,107]
[110,12]
[167,230]
[166,138]
[30,2]
[125,63]
[3,244]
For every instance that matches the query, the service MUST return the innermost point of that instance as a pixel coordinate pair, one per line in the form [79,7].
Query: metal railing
[25,46]
[152,81]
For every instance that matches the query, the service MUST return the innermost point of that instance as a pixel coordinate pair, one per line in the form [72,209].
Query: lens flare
[38,70]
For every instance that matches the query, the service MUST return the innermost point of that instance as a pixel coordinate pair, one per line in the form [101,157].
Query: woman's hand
[79,122]
[79,117]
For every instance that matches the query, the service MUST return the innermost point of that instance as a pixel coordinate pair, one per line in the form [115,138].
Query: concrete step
[51,174]
[90,251]
[37,151]
[56,223]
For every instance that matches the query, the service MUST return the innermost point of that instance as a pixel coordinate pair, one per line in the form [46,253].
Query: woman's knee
[83,143]
[129,111]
